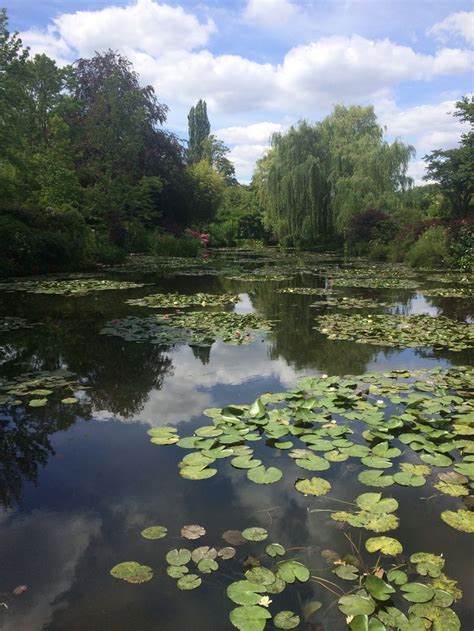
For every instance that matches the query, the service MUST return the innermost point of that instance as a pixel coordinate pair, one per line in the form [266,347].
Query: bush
[168,245]
[430,250]
[224,233]
[461,244]
[369,232]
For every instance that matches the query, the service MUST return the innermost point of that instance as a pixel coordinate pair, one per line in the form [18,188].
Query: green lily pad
[69,400]
[356,605]
[417,592]
[154,532]
[260,576]
[462,520]
[442,619]
[289,571]
[206,566]
[346,571]
[397,576]
[189,581]
[178,557]
[428,564]
[374,477]
[262,475]
[197,473]
[245,462]
[437,460]
[386,545]
[275,549]
[254,534]
[245,592]
[249,618]
[286,620]
[378,589]
[177,571]
[37,403]
[132,572]
[405,478]
[204,552]
[313,486]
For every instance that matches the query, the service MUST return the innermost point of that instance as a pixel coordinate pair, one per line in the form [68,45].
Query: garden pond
[258,439]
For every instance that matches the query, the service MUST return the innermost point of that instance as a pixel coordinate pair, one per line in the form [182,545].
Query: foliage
[207,191]
[430,250]
[169,245]
[199,129]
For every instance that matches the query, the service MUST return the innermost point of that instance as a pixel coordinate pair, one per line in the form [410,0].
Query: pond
[257,417]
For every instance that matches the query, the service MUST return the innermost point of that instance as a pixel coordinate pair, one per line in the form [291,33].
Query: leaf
[286,620]
[438,460]
[154,532]
[275,549]
[462,520]
[37,403]
[249,618]
[245,462]
[69,400]
[417,592]
[313,486]
[226,553]
[397,576]
[377,588]
[254,534]
[177,571]
[373,502]
[374,477]
[289,571]
[313,463]
[206,566]
[234,537]
[260,576]
[188,581]
[257,409]
[178,557]
[132,572]
[204,552]
[192,531]
[442,619]
[346,571]
[427,564]
[197,473]
[386,545]
[261,475]
[310,608]
[409,479]
[245,592]
[356,605]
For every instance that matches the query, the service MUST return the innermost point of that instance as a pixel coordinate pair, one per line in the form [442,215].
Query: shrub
[461,244]
[168,245]
[430,250]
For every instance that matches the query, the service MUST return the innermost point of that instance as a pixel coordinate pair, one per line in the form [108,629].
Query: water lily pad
[249,618]
[313,486]
[154,532]
[405,478]
[245,592]
[245,462]
[206,566]
[286,620]
[275,549]
[226,553]
[197,473]
[192,531]
[132,572]
[289,571]
[177,571]
[346,571]
[386,545]
[178,557]
[462,520]
[375,477]
[204,552]
[417,592]
[37,403]
[428,564]
[260,576]
[69,400]
[356,604]
[189,581]
[438,460]
[262,475]
[442,619]
[254,534]
[397,576]
[378,589]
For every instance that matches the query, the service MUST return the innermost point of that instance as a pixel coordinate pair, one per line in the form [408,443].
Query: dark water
[79,484]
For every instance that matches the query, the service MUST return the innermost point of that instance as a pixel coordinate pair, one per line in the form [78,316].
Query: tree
[199,129]
[453,169]
[316,177]
[207,190]
[215,152]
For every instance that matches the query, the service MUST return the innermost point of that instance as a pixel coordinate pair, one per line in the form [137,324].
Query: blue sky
[264,64]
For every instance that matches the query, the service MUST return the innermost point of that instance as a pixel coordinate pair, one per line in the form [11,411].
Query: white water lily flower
[265,601]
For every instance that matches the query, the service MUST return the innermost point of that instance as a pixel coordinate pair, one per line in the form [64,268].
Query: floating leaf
[428,564]
[417,592]
[204,552]
[462,520]
[313,486]
[249,618]
[37,403]
[178,557]
[177,571]
[346,571]
[378,589]
[197,473]
[254,534]
[262,475]
[245,462]
[234,537]
[206,566]
[192,531]
[154,532]
[286,620]
[260,576]
[189,581]
[289,571]
[356,604]
[245,592]
[132,572]
[69,400]
[374,477]
[386,545]
[405,478]
[442,619]
[397,576]
[275,549]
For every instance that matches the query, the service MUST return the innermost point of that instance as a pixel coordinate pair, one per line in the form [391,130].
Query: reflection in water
[79,489]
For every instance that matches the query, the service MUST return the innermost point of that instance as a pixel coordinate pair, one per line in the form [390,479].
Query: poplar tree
[199,129]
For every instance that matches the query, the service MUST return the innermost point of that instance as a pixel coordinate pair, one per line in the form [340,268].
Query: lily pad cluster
[75,287]
[36,390]
[165,301]
[452,292]
[398,330]
[196,328]
[350,302]
[259,276]
[11,323]
[304,291]
[375,282]
[408,429]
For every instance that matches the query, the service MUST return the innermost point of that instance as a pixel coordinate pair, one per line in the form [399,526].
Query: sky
[263,65]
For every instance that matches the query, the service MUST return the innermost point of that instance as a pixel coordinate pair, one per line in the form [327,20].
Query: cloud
[456,25]
[270,13]
[255,133]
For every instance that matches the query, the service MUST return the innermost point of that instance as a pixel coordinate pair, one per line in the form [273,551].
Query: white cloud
[456,25]
[255,133]
[270,13]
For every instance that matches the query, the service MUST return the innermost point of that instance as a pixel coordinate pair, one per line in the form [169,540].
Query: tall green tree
[453,169]
[199,129]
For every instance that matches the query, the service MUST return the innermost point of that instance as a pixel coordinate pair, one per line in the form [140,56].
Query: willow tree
[316,177]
